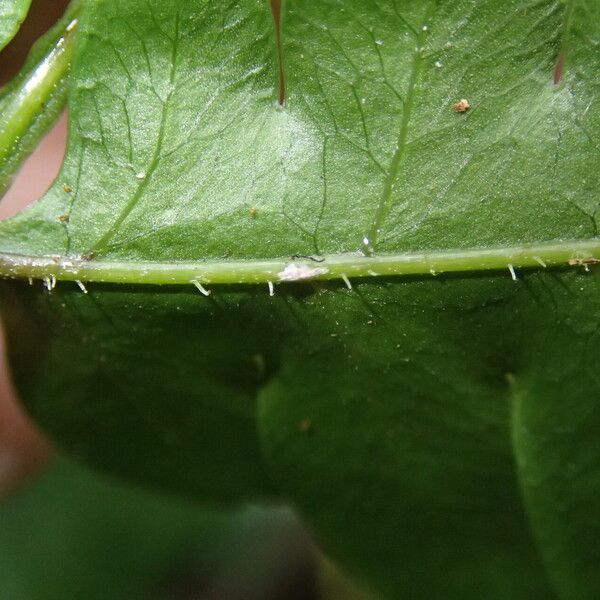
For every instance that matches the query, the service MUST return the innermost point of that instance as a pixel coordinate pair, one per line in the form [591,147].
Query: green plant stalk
[29,100]
[580,254]
[31,103]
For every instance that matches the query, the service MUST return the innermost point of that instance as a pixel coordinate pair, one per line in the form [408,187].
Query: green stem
[30,98]
[33,101]
[580,254]
[27,101]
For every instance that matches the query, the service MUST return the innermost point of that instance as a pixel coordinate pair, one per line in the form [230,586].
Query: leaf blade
[181,156]
[337,134]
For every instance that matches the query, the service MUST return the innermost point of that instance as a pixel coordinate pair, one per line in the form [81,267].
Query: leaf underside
[438,434]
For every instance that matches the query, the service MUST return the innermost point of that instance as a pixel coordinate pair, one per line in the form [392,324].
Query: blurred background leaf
[75,534]
[12,14]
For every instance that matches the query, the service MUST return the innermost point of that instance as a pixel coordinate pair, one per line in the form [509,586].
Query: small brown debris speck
[305,426]
[67,188]
[583,262]
[253,213]
[462,106]
[63,218]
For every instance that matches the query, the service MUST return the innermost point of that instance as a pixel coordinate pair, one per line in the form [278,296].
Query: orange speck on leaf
[462,106]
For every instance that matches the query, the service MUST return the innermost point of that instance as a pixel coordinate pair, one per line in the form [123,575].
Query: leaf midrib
[384,206]
[581,254]
[104,242]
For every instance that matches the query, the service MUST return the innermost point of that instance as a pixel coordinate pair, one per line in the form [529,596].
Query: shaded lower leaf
[183,416]
[556,419]
[403,418]
[389,423]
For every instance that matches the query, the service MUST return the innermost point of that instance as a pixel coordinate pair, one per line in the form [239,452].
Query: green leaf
[113,386]
[178,146]
[12,14]
[555,420]
[395,435]
[437,433]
